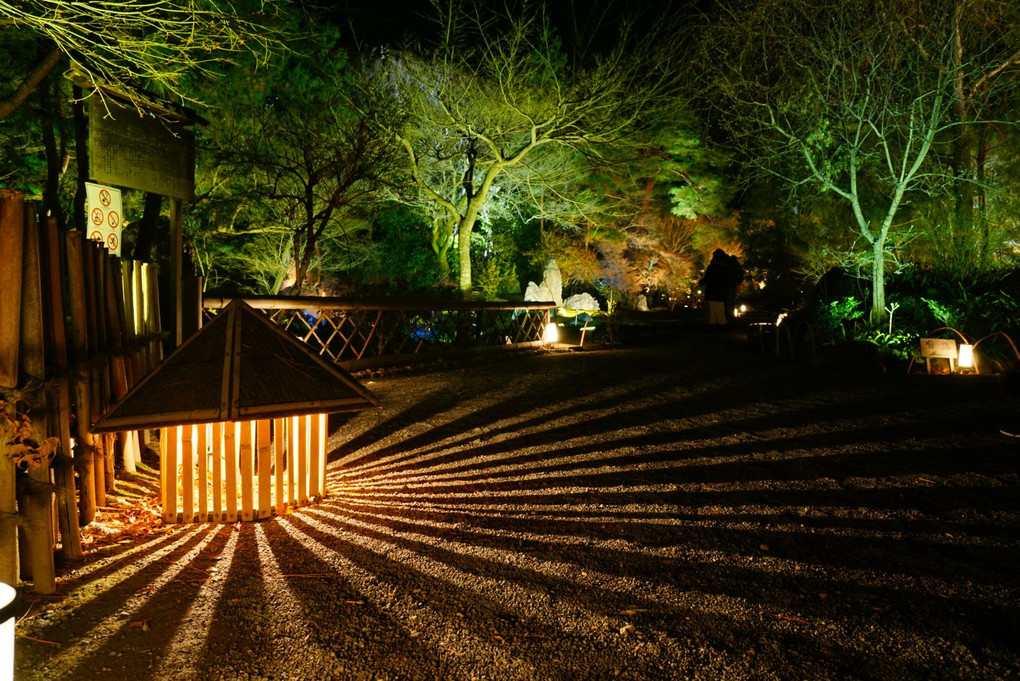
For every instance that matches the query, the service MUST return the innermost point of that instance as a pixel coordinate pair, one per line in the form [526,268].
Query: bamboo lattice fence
[358,334]
[55,378]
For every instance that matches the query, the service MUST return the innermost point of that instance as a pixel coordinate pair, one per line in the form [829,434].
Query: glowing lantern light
[552,333]
[966,356]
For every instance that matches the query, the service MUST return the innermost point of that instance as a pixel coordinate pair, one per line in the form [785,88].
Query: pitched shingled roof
[240,366]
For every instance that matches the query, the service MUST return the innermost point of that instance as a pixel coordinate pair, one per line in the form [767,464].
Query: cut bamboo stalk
[217,472]
[323,439]
[169,445]
[247,472]
[202,452]
[313,456]
[230,461]
[302,459]
[155,319]
[12,234]
[186,471]
[265,466]
[279,466]
[59,398]
[36,507]
[292,454]
[85,459]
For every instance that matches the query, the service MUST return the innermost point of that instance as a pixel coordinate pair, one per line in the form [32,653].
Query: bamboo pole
[12,234]
[202,452]
[230,460]
[265,467]
[96,388]
[59,398]
[279,459]
[36,503]
[85,455]
[186,472]
[168,448]
[314,442]
[245,450]
[217,472]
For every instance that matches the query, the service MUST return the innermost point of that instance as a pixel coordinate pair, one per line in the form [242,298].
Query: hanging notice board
[140,151]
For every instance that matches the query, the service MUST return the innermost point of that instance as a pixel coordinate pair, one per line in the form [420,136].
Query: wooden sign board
[938,347]
[140,150]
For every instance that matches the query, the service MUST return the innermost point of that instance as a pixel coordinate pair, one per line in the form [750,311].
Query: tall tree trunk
[56,162]
[148,227]
[878,280]
[81,145]
[464,257]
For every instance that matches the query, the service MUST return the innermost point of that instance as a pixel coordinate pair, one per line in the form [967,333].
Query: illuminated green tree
[850,98]
[495,90]
[290,169]
[129,43]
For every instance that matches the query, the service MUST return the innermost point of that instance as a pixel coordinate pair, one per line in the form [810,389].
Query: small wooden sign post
[939,348]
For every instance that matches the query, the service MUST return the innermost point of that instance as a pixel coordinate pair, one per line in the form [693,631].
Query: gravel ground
[682,508]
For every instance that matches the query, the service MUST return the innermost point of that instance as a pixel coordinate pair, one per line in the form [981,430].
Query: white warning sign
[104,210]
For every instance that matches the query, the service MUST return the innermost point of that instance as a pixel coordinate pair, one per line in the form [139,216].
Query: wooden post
[265,468]
[176,271]
[202,452]
[168,463]
[314,444]
[60,397]
[186,472]
[230,446]
[279,462]
[12,233]
[79,330]
[247,473]
[36,504]
[217,470]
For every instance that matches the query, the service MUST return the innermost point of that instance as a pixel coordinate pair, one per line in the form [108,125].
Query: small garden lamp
[965,360]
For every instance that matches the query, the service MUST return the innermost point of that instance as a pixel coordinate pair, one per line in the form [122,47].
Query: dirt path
[682,508]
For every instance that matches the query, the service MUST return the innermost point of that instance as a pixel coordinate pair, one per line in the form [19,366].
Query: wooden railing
[361,334]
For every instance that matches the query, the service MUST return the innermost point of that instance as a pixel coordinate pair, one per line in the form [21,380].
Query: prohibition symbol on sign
[96,236]
[97,216]
[113,220]
[112,241]
[105,198]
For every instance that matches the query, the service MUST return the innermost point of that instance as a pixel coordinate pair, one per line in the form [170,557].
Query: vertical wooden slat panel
[138,307]
[187,472]
[155,322]
[292,448]
[36,507]
[302,459]
[247,474]
[264,445]
[202,452]
[60,395]
[12,235]
[230,458]
[168,446]
[79,334]
[279,463]
[314,476]
[217,470]
[323,439]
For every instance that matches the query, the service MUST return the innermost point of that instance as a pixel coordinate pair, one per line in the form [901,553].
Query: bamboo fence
[56,378]
[248,470]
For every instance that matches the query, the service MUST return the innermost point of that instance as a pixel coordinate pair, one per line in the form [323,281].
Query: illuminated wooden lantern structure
[241,410]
